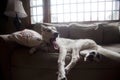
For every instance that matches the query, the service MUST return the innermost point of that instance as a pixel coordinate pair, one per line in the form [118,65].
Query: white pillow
[26,37]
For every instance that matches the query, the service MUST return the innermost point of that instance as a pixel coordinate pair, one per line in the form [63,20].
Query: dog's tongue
[55,45]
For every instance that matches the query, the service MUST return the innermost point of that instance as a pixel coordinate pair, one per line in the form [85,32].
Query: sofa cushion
[111,33]
[41,59]
[90,31]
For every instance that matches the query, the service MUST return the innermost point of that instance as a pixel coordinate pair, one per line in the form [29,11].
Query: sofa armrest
[6,48]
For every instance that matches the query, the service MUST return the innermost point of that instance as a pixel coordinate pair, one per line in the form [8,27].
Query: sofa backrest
[88,31]
[111,32]
[102,33]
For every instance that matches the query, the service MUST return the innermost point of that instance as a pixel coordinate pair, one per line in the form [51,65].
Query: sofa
[17,64]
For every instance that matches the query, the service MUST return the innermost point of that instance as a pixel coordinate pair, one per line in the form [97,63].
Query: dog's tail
[109,54]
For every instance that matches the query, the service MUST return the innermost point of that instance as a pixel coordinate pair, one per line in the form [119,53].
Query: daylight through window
[36,9]
[76,10]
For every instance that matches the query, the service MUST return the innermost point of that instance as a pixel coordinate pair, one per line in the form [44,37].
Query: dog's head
[49,34]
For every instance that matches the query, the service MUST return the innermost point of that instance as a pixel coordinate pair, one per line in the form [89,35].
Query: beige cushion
[26,37]
[5,37]
[80,31]
[111,32]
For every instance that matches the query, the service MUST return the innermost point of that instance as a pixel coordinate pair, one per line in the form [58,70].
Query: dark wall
[3,18]
[6,23]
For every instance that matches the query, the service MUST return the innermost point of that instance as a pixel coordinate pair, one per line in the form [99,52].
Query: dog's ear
[37,27]
[43,27]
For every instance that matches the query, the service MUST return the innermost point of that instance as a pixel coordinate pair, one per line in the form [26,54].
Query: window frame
[47,14]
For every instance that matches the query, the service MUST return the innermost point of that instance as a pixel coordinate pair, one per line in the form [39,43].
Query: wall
[2,17]
[6,23]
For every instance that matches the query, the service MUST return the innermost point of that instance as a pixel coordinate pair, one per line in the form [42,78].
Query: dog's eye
[38,39]
[44,29]
[48,30]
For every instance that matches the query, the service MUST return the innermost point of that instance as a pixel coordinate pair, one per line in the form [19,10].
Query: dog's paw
[98,57]
[32,50]
[64,78]
[67,70]
[61,77]
[92,56]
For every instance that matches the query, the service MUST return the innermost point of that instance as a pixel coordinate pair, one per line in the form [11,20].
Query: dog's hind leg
[109,53]
[75,58]
[61,64]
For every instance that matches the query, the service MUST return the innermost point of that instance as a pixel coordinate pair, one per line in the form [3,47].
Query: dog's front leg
[75,58]
[61,64]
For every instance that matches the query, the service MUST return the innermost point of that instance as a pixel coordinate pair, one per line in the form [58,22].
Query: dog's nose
[56,34]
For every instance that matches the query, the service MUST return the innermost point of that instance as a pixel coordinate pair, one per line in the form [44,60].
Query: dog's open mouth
[54,43]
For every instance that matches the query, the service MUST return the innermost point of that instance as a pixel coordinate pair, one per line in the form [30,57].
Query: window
[36,9]
[76,10]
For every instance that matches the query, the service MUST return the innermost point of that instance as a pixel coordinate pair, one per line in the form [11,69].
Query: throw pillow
[26,37]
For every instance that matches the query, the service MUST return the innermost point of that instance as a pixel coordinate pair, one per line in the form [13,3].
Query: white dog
[81,47]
